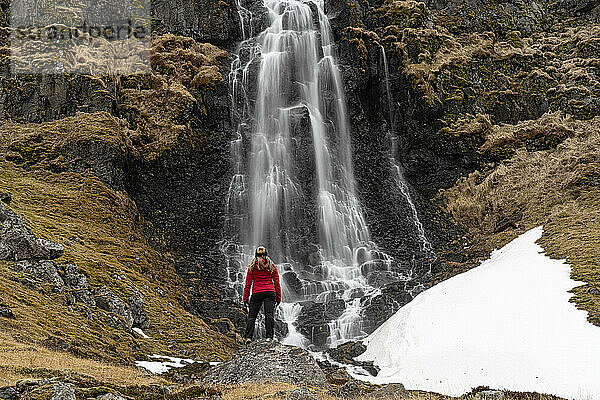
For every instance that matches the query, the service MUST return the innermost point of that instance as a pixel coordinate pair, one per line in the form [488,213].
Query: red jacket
[262,281]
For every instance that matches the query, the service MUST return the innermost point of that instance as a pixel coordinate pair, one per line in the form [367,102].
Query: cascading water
[287,92]
[425,244]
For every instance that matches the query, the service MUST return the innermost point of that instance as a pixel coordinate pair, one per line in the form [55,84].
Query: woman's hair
[261,261]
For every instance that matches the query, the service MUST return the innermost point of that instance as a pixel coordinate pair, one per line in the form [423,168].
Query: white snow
[141,333]
[159,367]
[506,324]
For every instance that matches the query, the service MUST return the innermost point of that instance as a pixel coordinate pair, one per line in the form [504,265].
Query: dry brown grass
[18,360]
[558,188]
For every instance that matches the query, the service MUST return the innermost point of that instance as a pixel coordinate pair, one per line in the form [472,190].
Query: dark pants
[256,301]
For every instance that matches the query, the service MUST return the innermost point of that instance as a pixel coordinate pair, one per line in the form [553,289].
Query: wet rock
[18,243]
[392,390]
[302,393]
[5,198]
[63,391]
[204,20]
[346,352]
[268,361]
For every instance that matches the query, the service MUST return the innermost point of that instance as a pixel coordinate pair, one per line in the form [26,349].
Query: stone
[349,389]
[26,384]
[9,393]
[339,376]
[77,283]
[302,393]
[5,198]
[392,390]
[108,301]
[45,271]
[594,291]
[6,312]
[63,391]
[138,312]
[489,395]
[110,396]
[18,243]
[268,361]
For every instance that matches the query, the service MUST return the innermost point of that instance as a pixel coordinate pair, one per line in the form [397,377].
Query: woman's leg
[254,308]
[269,301]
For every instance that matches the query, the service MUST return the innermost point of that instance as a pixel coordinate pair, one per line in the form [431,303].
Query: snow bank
[160,367]
[507,324]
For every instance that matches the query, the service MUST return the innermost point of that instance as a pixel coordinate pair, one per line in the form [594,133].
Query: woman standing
[262,276]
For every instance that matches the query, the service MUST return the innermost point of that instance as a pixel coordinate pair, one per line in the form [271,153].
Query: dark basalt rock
[268,361]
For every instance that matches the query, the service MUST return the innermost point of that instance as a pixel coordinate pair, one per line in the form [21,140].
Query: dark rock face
[268,361]
[204,20]
[17,242]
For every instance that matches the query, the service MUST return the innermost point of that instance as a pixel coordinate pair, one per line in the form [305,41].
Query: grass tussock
[102,235]
[558,187]
[161,105]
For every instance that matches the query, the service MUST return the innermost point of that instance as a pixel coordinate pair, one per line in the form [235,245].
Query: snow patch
[141,333]
[507,324]
[160,367]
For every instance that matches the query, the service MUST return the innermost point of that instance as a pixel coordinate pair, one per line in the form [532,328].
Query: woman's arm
[249,280]
[275,277]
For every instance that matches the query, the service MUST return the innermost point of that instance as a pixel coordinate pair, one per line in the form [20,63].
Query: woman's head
[261,260]
[260,252]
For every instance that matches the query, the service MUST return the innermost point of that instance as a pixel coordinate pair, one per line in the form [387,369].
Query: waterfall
[424,243]
[293,187]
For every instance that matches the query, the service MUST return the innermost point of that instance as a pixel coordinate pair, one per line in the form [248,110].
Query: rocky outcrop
[17,242]
[268,361]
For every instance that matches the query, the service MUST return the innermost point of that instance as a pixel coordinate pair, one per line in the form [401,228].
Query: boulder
[391,391]
[268,361]
[138,312]
[302,393]
[79,290]
[9,393]
[108,301]
[63,391]
[45,271]
[349,389]
[18,243]
[339,377]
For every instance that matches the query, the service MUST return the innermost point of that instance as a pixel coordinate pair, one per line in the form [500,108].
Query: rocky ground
[263,369]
